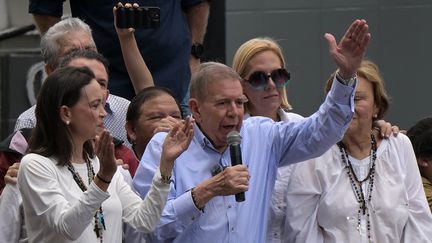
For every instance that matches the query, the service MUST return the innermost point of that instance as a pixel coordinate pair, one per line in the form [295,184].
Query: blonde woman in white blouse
[364,189]
[70,194]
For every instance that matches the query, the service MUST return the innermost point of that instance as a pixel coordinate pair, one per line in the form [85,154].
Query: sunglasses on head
[259,79]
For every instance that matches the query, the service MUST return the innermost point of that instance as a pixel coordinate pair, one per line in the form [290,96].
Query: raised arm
[197,18]
[137,69]
[349,52]
[46,13]
[145,215]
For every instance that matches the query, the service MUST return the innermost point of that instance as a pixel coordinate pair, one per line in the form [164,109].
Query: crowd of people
[126,146]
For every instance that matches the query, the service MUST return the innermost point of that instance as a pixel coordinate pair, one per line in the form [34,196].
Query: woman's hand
[104,148]
[123,32]
[349,53]
[175,143]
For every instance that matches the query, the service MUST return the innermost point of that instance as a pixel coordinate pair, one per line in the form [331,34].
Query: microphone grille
[234,138]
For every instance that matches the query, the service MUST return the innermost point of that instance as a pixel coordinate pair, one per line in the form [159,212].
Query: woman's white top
[56,209]
[321,205]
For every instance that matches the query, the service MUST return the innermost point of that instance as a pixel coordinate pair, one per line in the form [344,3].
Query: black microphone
[234,140]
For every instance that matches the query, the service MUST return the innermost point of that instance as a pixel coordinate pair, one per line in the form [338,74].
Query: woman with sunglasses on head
[72,191]
[365,188]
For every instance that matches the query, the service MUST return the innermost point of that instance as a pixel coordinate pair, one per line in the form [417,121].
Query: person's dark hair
[421,138]
[84,53]
[51,136]
[147,94]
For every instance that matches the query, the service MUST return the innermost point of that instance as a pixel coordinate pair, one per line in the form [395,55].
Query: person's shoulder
[36,161]
[29,113]
[256,120]
[290,116]
[117,100]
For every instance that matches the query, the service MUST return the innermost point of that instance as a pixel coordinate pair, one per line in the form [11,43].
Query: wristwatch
[197,50]
[349,81]
[166,179]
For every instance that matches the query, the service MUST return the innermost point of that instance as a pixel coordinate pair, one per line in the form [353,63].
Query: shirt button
[193,218]
[232,228]
[229,206]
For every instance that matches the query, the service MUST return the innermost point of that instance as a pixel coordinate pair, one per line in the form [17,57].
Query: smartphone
[142,17]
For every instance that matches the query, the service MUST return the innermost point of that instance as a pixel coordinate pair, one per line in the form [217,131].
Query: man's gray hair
[50,46]
[209,72]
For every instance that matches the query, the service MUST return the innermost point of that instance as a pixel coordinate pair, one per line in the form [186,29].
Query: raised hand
[177,140]
[104,148]
[166,124]
[350,51]
[123,31]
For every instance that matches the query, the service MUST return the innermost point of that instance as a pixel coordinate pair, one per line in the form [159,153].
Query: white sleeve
[43,199]
[303,197]
[419,225]
[144,215]
[11,214]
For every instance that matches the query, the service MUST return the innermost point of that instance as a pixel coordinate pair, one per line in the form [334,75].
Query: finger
[351,29]
[10,180]
[125,166]
[363,31]
[357,28]
[135,5]
[119,5]
[119,162]
[395,130]
[331,41]
[128,5]
[174,130]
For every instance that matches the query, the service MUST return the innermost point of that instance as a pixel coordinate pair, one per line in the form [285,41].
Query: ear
[130,130]
[107,94]
[65,114]
[376,110]
[49,69]
[194,106]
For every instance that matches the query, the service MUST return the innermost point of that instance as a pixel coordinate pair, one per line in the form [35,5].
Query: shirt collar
[108,107]
[201,139]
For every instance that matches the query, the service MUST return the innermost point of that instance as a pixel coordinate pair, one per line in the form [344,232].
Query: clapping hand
[178,139]
[104,148]
[349,53]
[175,143]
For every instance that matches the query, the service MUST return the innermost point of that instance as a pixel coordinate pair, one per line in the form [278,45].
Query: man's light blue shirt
[265,146]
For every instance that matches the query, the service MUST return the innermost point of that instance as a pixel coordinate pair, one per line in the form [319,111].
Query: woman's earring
[67,123]
[375,115]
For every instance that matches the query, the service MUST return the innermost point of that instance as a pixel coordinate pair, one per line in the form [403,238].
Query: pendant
[100,220]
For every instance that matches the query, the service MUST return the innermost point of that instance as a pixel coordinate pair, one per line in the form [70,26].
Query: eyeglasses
[259,79]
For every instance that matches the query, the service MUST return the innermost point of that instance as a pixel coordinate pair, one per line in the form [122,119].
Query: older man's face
[76,40]
[221,111]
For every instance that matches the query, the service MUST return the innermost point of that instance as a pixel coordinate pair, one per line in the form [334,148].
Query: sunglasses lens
[280,77]
[258,80]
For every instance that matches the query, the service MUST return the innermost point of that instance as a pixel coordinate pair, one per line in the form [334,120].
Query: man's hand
[349,53]
[232,180]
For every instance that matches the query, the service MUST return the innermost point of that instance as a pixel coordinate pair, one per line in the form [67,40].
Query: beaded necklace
[356,184]
[99,217]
